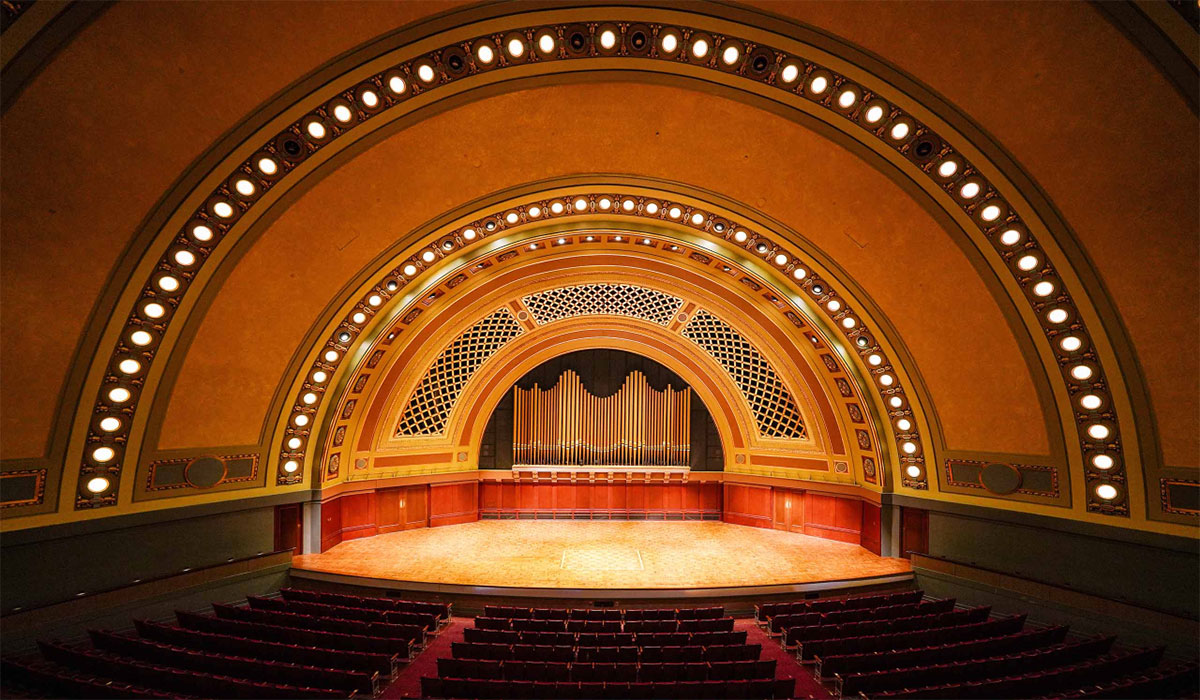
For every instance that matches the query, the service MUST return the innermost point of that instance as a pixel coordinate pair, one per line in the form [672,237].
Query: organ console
[567,425]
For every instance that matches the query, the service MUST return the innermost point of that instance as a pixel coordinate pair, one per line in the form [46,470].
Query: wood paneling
[289,527]
[450,504]
[601,500]
[914,532]
[870,538]
[748,505]
[830,516]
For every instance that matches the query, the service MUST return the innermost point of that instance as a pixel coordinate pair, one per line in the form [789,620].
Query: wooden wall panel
[600,500]
[358,516]
[289,527]
[331,523]
[388,510]
[748,505]
[914,532]
[833,518]
[870,528]
[416,507]
[450,504]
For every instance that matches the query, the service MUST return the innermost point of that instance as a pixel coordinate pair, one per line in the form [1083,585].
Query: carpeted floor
[580,554]
[785,663]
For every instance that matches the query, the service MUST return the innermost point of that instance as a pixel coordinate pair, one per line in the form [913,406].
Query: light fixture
[129,366]
[1028,262]
[316,129]
[581,204]
[468,234]
[818,85]
[103,454]
[557,208]
[410,270]
[110,424]
[948,168]
[342,113]
[789,73]
[202,233]
[425,73]
[896,402]
[846,99]
[608,39]
[294,443]
[223,209]
[1098,431]
[781,259]
[730,55]
[358,317]
[331,355]
[873,114]
[1103,461]
[141,338]
[185,258]
[97,484]
[697,219]
[484,54]
[512,217]
[969,190]
[674,212]
[300,420]
[428,256]
[833,305]
[397,85]
[1091,402]
[913,471]
[990,213]
[886,379]
[1081,372]
[1107,491]
[904,425]
[168,283]
[516,47]
[849,322]
[546,43]
[309,399]
[1010,237]
[1057,316]
[700,48]
[899,131]
[1044,288]
[319,376]
[651,208]
[628,205]
[119,394]
[245,187]
[369,98]
[799,273]
[605,203]
[740,236]
[669,42]
[1070,343]
[291,466]
[875,359]
[908,447]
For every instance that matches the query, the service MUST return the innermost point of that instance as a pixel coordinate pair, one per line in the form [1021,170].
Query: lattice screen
[772,405]
[430,405]
[602,299]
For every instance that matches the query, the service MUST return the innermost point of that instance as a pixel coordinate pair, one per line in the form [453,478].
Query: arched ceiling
[1086,159]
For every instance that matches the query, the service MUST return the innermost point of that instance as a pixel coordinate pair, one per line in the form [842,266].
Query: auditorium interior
[600,349]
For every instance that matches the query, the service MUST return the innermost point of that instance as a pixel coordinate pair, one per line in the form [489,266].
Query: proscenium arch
[1023,200]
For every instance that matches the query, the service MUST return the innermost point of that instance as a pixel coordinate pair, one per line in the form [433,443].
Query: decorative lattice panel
[772,405]
[602,299]
[430,405]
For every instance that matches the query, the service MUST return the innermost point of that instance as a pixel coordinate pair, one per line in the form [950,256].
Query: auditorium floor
[609,554]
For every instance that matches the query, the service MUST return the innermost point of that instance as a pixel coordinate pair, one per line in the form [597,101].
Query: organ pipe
[567,425]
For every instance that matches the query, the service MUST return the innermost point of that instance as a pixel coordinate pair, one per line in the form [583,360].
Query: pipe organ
[637,426]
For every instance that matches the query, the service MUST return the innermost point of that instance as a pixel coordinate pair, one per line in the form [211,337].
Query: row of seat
[281,672]
[276,633]
[610,672]
[974,669]
[1024,640]
[605,639]
[411,633]
[567,653]
[177,680]
[799,635]
[386,665]
[603,614]
[426,621]
[41,678]
[1040,683]
[910,639]
[440,610]
[472,688]
[764,612]
[718,624]
[1181,681]
[778,623]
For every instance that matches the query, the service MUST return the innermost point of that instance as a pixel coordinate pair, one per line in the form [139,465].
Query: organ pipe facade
[567,425]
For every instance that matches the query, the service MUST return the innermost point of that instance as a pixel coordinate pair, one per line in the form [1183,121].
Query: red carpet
[408,682]
[785,663]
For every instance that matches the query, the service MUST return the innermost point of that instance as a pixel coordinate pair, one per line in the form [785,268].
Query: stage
[609,558]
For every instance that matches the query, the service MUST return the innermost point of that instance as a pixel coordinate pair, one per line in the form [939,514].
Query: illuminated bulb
[309,399]
[818,85]
[789,73]
[1106,491]
[886,379]
[110,424]
[141,338]
[223,209]
[799,273]
[294,443]
[589,239]
[913,471]
[948,168]
[428,256]
[291,466]
[875,360]
[1043,289]
[1102,462]
[485,54]
[675,212]
[534,211]
[874,114]
[410,270]
[1081,372]
[700,48]
[608,39]
[342,113]
[849,322]
[617,239]
[581,204]
[730,55]
[512,217]
[1097,431]
[1057,316]
[1070,343]
[1010,237]
[533,246]
[561,241]
[244,187]
[358,317]
[516,48]
[969,190]
[331,356]
[97,485]
[990,213]
[185,258]
[119,395]
[557,208]
[669,43]
[904,425]
[646,241]
[319,377]
[1091,402]
[628,205]
[103,454]
[168,283]
[546,43]
[202,233]
[130,366]
[300,419]
[899,131]
[781,260]
[833,305]
[697,219]
[425,73]
[397,85]
[847,98]
[154,310]
[895,402]
[740,236]
[909,447]
[605,203]
[469,234]
[369,98]
[1027,262]
[651,208]
[316,130]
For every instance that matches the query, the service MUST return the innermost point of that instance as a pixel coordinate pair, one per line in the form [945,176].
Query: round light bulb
[103,454]
[1106,491]
[316,130]
[342,113]
[97,484]
[789,73]
[669,42]
[119,395]
[110,424]
[202,233]
[608,39]
[485,54]
[141,338]
[819,85]
[730,55]
[700,48]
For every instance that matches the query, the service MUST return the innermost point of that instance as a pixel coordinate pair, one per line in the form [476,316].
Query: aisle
[408,682]
[785,663]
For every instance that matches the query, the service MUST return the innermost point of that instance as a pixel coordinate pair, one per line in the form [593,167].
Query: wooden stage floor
[600,555]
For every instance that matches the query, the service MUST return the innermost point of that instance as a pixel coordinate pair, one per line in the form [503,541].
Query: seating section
[303,645]
[900,646]
[512,652]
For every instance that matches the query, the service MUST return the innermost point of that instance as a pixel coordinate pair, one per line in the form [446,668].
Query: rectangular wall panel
[450,504]
[748,505]
[603,500]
